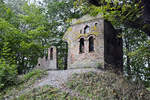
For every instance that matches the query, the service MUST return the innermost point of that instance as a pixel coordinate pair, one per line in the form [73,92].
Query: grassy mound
[24,82]
[23,89]
[107,86]
[46,93]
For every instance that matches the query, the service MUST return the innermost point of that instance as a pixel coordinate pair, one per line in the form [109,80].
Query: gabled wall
[108,47]
[73,36]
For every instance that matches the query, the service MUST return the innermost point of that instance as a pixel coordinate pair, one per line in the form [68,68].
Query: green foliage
[23,82]
[58,13]
[136,55]
[27,30]
[23,35]
[8,74]
[24,90]
[34,74]
[148,89]
[46,93]
[113,10]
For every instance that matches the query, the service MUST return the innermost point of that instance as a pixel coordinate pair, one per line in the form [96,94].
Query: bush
[8,74]
[34,74]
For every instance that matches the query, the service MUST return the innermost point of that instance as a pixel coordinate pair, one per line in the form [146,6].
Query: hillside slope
[82,85]
[107,86]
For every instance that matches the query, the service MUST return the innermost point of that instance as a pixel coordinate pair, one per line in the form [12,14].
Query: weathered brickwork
[85,40]
[49,62]
[92,42]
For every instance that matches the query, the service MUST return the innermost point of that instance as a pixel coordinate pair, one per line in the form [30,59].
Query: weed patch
[46,93]
[24,82]
[107,86]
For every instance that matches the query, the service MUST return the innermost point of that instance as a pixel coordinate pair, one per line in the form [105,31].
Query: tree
[23,34]
[134,13]
[15,5]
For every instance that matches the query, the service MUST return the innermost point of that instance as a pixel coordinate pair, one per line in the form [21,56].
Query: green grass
[91,86]
[24,82]
[107,86]
[42,93]
[46,93]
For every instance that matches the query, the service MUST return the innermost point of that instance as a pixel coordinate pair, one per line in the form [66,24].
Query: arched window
[96,24]
[46,57]
[91,44]
[81,48]
[86,29]
[51,54]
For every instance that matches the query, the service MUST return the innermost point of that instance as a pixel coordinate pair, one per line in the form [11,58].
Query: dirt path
[57,78]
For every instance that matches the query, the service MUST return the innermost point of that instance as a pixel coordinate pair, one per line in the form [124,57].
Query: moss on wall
[78,35]
[78,22]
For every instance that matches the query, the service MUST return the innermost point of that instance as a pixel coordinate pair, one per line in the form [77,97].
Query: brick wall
[50,62]
[73,36]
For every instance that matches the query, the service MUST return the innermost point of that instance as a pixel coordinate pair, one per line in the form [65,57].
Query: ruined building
[92,42]
[49,62]
[85,39]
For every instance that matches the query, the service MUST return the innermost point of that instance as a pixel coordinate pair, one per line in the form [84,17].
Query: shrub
[34,74]
[8,74]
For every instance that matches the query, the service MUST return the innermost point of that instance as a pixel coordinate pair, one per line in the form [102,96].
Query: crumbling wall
[49,62]
[108,47]
[75,33]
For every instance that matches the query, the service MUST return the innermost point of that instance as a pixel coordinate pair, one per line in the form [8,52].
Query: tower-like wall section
[52,61]
[49,62]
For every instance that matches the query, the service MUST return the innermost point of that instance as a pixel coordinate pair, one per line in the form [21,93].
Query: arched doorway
[81,48]
[91,44]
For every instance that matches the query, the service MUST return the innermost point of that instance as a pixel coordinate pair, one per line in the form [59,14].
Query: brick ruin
[85,38]
[92,42]
[49,62]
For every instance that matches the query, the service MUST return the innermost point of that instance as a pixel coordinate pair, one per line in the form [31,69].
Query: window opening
[91,44]
[81,48]
[86,29]
[80,31]
[96,24]
[51,54]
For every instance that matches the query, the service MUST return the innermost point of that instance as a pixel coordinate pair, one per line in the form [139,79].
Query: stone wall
[73,36]
[49,62]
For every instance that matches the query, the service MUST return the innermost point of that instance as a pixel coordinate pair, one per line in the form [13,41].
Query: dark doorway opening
[81,48]
[51,54]
[91,44]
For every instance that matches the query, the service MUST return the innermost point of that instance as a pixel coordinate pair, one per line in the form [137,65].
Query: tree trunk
[113,48]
